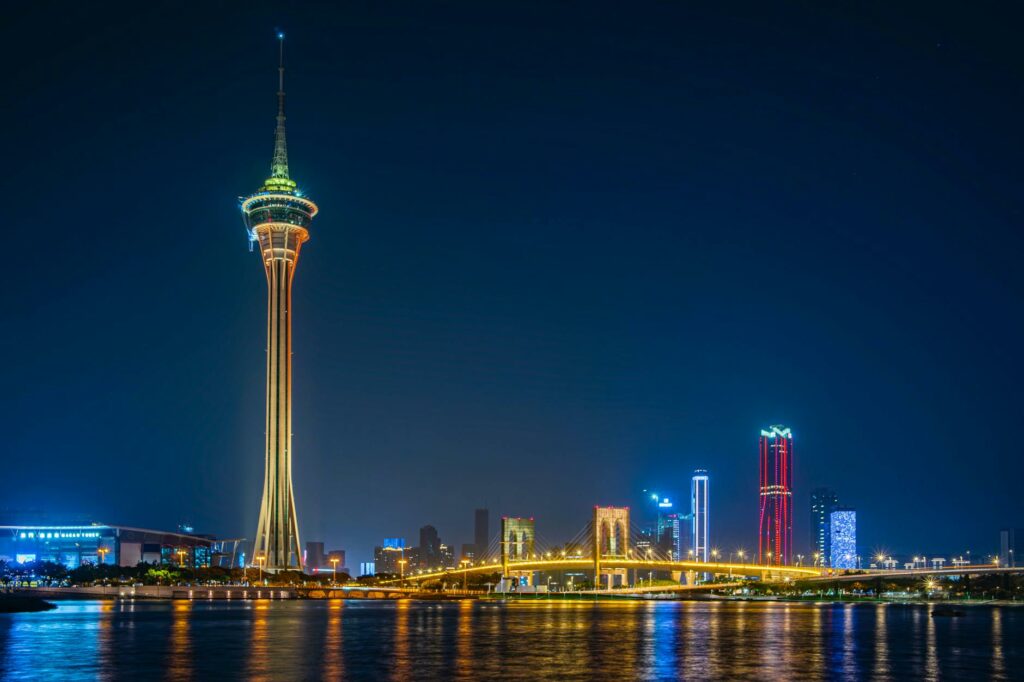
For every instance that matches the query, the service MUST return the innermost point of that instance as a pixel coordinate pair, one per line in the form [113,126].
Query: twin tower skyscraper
[277,217]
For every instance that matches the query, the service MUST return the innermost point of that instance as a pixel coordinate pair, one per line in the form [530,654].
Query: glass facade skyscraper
[775,521]
[823,503]
[843,527]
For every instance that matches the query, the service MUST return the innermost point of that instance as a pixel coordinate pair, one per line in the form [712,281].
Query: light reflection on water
[574,640]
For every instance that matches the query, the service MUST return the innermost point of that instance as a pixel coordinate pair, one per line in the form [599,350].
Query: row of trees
[1000,586]
[52,574]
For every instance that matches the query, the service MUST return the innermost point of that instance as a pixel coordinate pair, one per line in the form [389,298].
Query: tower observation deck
[278,217]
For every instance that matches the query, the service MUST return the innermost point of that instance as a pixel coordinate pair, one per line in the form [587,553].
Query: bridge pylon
[517,541]
[610,539]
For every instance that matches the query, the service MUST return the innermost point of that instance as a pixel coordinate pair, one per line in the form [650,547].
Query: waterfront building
[823,503]
[775,519]
[74,545]
[481,533]
[315,557]
[843,543]
[277,218]
[367,568]
[699,511]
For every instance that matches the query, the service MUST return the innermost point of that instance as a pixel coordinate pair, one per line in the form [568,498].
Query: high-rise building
[843,544]
[775,523]
[481,532]
[447,555]
[823,503]
[429,548]
[668,532]
[387,558]
[699,510]
[1008,546]
[277,218]
[335,561]
[367,568]
[315,557]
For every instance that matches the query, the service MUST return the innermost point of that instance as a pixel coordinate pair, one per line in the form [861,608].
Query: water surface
[570,640]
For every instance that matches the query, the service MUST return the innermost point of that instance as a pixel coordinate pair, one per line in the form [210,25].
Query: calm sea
[549,640]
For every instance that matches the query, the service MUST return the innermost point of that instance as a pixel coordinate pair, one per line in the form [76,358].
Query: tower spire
[279,168]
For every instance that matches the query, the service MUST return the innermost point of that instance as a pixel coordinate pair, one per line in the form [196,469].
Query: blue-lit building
[843,538]
[96,543]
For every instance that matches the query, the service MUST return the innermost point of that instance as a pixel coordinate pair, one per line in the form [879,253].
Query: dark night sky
[566,252]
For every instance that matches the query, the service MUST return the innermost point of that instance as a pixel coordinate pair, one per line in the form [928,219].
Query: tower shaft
[277,535]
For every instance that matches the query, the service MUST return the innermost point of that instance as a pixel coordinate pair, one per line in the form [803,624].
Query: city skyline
[524,296]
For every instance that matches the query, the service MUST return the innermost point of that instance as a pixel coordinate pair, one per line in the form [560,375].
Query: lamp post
[465,573]
[401,568]
[181,558]
[259,562]
[102,551]
[334,565]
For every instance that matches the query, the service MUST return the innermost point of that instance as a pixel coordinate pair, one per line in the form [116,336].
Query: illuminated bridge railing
[559,564]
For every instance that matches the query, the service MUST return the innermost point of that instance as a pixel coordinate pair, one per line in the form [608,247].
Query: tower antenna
[279,168]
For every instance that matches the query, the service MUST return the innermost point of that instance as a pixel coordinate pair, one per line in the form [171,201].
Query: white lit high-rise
[699,509]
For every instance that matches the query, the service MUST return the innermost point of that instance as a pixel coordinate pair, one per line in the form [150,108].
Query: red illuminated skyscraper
[775,529]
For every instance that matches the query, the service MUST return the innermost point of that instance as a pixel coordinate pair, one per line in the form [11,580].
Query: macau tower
[277,217]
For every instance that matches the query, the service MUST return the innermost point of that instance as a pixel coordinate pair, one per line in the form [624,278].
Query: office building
[429,549]
[775,518]
[823,503]
[315,557]
[699,511]
[387,557]
[277,218]
[843,544]
[335,561]
[367,568]
[447,556]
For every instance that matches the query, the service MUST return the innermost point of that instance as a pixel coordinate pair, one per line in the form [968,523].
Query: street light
[465,573]
[103,551]
[334,576]
[181,557]
[401,568]
[259,561]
